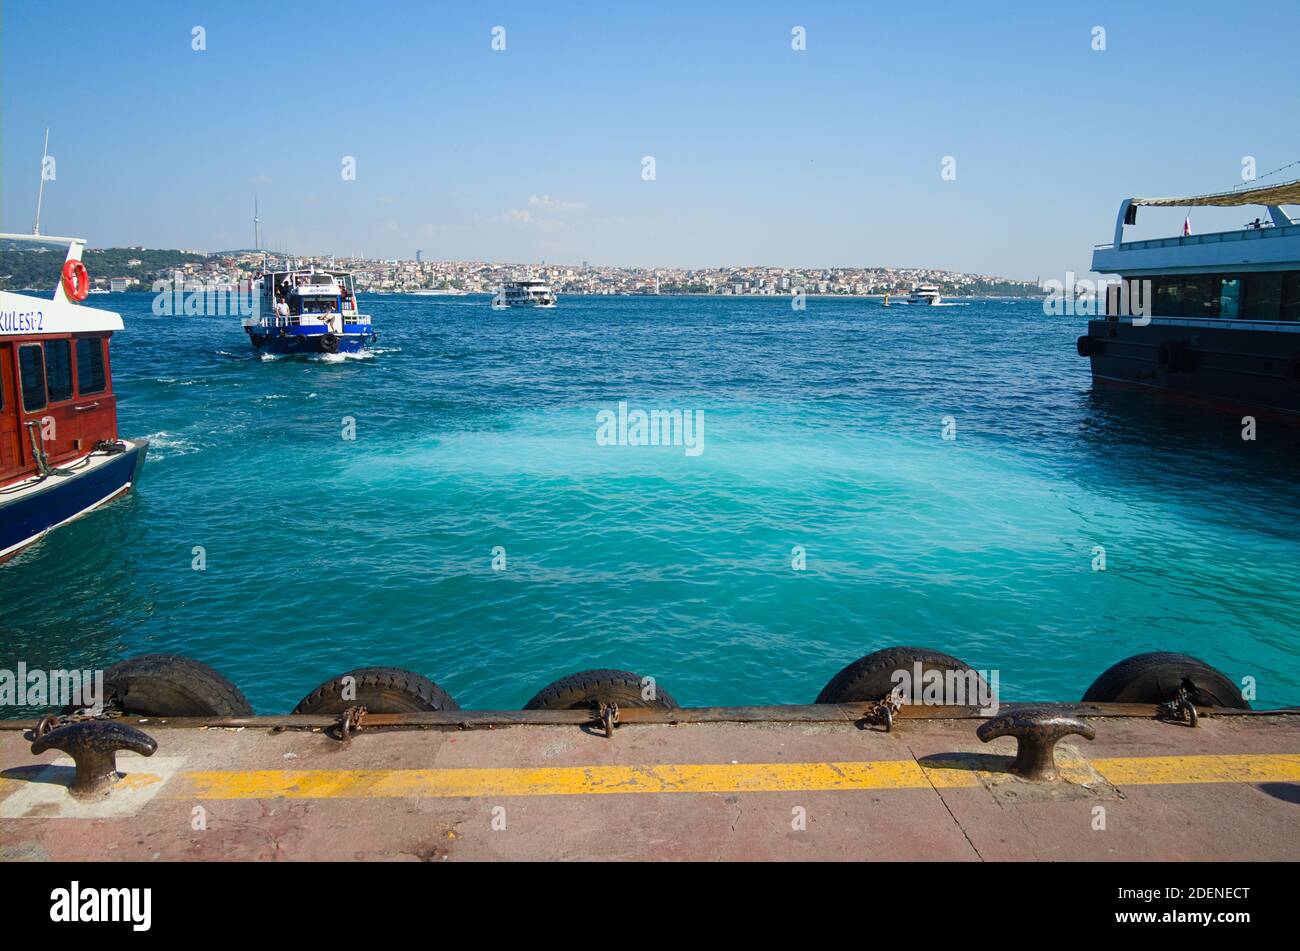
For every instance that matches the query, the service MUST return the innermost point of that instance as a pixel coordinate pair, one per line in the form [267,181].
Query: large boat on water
[60,455]
[531,292]
[307,311]
[1213,316]
[926,295]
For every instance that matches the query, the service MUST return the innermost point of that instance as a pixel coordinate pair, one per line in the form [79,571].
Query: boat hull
[27,517]
[298,343]
[1251,368]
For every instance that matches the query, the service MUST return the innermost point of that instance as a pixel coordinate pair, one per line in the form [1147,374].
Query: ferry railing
[1211,237]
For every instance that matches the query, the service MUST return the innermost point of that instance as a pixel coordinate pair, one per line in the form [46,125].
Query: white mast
[40,195]
[257,243]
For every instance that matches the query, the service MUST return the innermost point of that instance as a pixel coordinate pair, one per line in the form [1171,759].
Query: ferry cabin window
[1263,297]
[90,366]
[1169,297]
[1200,296]
[1291,297]
[58,370]
[1229,296]
[1269,295]
[31,371]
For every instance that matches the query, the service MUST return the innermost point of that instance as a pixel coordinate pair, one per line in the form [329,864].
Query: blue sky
[830,156]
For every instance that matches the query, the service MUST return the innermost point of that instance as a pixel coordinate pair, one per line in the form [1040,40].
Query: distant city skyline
[763,154]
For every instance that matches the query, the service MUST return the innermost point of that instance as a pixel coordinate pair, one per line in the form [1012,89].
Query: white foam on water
[171,445]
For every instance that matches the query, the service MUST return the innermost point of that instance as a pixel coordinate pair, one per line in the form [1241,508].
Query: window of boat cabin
[1169,296]
[90,366]
[1229,296]
[1291,297]
[58,370]
[31,371]
[1200,296]
[1262,299]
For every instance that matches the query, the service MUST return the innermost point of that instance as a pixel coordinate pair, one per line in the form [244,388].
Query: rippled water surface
[477,429]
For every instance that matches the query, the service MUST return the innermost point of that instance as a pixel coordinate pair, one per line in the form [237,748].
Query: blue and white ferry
[308,310]
[60,455]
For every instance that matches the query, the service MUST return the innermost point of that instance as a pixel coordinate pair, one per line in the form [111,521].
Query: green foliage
[37,267]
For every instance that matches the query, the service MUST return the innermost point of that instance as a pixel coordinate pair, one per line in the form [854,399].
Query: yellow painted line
[569,780]
[1177,770]
[702,778]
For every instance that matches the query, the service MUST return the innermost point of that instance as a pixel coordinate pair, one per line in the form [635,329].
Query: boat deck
[761,783]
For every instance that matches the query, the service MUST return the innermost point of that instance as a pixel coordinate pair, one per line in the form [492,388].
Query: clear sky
[763,154]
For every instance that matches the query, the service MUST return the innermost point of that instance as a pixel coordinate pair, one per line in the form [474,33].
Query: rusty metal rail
[805,713]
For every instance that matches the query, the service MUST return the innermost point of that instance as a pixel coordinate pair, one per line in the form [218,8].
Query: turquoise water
[477,429]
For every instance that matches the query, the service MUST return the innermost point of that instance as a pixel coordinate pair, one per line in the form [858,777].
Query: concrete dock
[773,784]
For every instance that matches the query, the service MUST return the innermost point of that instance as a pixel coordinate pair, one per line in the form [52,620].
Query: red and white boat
[60,455]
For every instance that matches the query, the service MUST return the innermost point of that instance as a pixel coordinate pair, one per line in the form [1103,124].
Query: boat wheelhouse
[305,311]
[925,294]
[530,292]
[60,455]
[1213,315]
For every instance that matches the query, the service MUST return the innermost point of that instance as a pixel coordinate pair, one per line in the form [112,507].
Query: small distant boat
[527,293]
[925,294]
[99,290]
[306,311]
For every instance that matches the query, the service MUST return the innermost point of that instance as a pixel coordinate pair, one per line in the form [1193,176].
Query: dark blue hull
[288,341]
[24,519]
[1253,368]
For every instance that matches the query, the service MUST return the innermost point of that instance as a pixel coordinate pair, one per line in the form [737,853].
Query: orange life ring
[76,280]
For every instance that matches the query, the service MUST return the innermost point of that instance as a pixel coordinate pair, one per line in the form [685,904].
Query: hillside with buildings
[138,269]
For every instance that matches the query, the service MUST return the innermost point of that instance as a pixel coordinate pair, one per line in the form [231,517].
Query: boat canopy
[1287,193]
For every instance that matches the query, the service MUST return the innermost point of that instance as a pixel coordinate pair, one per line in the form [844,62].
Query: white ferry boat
[1212,315]
[925,294]
[531,292]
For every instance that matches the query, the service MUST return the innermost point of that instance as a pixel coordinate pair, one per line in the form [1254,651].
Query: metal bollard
[1036,733]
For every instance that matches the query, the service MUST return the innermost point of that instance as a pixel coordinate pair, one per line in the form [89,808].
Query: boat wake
[164,444]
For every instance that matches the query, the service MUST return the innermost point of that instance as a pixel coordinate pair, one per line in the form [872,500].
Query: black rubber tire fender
[871,677]
[169,685]
[1172,357]
[329,344]
[379,690]
[1087,346]
[589,688]
[1155,678]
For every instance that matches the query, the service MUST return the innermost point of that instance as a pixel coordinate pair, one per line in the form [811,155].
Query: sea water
[938,477]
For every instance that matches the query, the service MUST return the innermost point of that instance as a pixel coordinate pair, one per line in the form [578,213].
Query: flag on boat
[1187,226]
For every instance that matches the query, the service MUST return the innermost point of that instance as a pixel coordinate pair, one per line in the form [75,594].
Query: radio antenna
[40,195]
